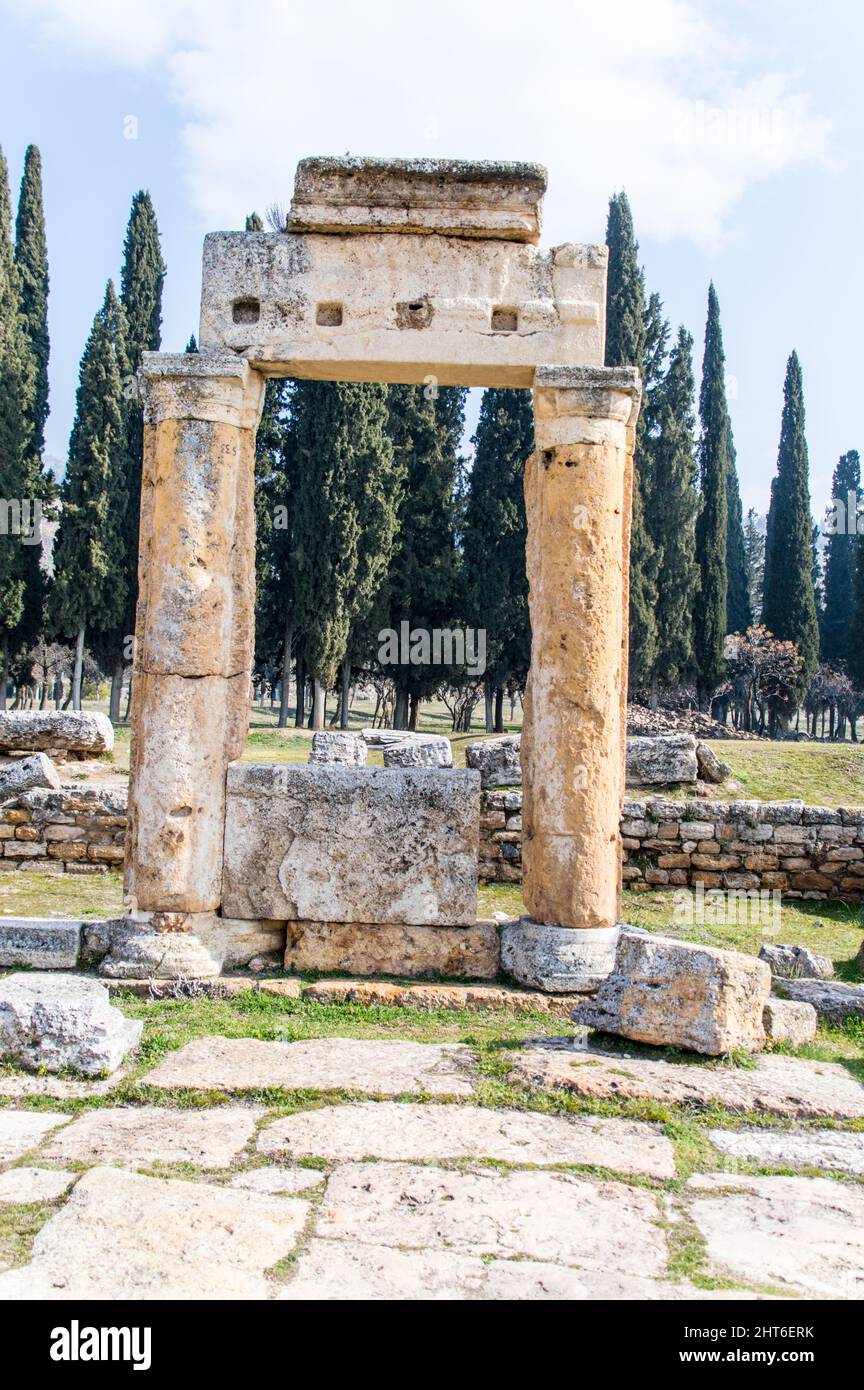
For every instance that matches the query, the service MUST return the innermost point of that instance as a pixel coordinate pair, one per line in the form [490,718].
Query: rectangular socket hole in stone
[329,315]
[246,310]
[505,319]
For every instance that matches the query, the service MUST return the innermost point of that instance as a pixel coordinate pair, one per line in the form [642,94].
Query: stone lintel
[450,197]
[584,405]
[214,386]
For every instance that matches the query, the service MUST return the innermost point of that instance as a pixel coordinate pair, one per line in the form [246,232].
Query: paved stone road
[439,1198]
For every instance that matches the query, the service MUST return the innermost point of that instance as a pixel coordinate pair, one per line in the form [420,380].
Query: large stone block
[497,760]
[425,750]
[49,1022]
[55,731]
[41,943]
[21,774]
[342,844]
[451,197]
[676,994]
[412,952]
[328,746]
[797,962]
[666,759]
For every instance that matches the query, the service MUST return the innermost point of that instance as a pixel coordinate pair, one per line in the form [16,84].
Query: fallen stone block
[50,1022]
[833,1002]
[497,760]
[413,952]
[328,746]
[797,962]
[710,767]
[676,994]
[352,844]
[21,774]
[667,759]
[789,1021]
[43,943]
[55,731]
[426,750]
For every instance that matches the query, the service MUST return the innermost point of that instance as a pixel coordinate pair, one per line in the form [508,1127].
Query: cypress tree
[89,590]
[710,622]
[31,258]
[254,223]
[670,515]
[494,541]
[192,345]
[424,577]
[840,558]
[855,659]
[754,554]
[789,606]
[17,391]
[630,343]
[739,610]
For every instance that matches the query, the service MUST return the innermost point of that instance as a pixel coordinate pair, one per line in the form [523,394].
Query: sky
[734,128]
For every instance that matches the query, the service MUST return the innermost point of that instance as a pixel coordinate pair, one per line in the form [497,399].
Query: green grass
[821,774]
[34,894]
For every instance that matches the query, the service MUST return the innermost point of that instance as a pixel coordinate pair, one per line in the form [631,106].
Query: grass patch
[20,1223]
[90,896]
[822,774]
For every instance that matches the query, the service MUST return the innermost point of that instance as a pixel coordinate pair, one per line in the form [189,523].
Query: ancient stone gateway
[397,271]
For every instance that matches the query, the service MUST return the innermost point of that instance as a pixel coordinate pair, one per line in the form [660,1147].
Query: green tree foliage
[789,607]
[841,547]
[670,510]
[739,610]
[89,591]
[855,658]
[710,614]
[31,259]
[754,555]
[635,336]
[496,587]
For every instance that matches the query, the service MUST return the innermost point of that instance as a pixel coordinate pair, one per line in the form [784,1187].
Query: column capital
[215,386]
[575,405]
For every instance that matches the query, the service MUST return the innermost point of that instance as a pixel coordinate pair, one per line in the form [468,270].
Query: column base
[558,960]
[164,946]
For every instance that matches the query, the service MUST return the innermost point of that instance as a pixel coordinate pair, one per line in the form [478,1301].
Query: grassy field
[822,774]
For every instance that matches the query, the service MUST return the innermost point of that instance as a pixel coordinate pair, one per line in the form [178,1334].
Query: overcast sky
[735,129]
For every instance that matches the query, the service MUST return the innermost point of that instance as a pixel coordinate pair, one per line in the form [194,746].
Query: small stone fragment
[49,1022]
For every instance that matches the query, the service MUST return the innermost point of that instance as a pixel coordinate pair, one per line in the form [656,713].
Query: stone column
[578,489]
[194,645]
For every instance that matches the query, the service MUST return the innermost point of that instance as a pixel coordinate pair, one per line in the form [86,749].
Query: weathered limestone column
[578,490]
[194,645]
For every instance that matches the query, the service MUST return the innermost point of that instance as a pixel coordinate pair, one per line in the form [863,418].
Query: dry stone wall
[804,851]
[76,830]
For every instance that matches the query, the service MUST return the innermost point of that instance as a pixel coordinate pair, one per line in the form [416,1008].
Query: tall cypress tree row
[841,552]
[89,590]
[670,513]
[628,343]
[710,620]
[345,517]
[423,582]
[496,586]
[789,607]
[855,658]
[739,610]
[141,280]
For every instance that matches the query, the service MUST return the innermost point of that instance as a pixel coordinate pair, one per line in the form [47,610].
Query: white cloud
[650,96]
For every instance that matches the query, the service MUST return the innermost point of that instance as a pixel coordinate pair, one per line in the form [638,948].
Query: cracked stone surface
[539,1216]
[321,1064]
[273,1181]
[790,1149]
[392,1131]
[34,1184]
[777,1085]
[801,1234]
[18,1085]
[122,1235]
[149,1134]
[23,1130]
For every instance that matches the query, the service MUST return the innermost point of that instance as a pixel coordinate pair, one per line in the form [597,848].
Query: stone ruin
[416,271]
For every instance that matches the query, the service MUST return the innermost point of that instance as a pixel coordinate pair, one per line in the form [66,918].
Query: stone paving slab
[23,1130]
[320,1064]
[273,1181]
[777,1085]
[21,1085]
[540,1216]
[503,998]
[804,1234]
[334,1270]
[34,1184]
[824,1148]
[392,1131]
[150,1134]
[125,1236]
